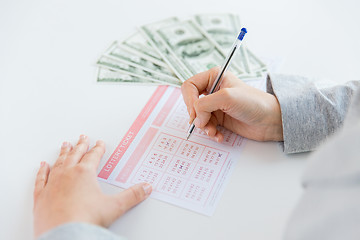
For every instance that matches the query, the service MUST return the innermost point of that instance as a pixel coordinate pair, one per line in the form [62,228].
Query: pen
[221,73]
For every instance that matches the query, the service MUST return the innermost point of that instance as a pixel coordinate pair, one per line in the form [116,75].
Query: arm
[293,110]
[309,113]
[329,208]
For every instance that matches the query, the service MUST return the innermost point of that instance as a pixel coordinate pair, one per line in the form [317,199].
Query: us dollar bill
[133,70]
[149,32]
[223,29]
[187,48]
[138,45]
[107,75]
[117,52]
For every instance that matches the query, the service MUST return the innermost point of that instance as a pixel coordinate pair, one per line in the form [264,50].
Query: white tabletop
[48,94]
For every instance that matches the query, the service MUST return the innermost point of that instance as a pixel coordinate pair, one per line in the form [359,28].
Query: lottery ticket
[187,173]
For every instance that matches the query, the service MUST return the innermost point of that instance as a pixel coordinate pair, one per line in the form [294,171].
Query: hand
[237,106]
[70,192]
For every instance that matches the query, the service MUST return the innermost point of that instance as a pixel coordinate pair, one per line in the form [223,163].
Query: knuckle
[138,196]
[186,85]
[40,180]
[81,168]
[99,148]
[59,163]
[226,92]
[79,149]
[198,104]
[226,95]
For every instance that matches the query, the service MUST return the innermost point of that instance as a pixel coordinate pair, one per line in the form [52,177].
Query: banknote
[133,70]
[186,47]
[170,51]
[222,28]
[139,46]
[107,75]
[117,52]
[149,31]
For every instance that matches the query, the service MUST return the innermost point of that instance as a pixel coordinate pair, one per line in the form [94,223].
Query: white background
[48,94]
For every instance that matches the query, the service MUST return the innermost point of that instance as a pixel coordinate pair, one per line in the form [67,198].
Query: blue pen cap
[242,34]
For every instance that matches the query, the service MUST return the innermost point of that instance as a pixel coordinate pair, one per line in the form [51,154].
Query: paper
[190,174]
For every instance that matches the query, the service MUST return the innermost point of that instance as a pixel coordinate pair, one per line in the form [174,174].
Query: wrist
[274,130]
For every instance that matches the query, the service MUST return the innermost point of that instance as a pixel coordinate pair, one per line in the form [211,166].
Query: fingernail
[147,189]
[42,164]
[99,142]
[217,139]
[65,145]
[83,137]
[197,122]
[206,131]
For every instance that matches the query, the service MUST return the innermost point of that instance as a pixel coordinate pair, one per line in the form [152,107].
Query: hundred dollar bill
[222,28]
[187,48]
[138,45]
[117,52]
[107,75]
[133,70]
[149,32]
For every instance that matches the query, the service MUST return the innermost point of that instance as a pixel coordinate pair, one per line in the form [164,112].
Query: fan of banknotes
[170,51]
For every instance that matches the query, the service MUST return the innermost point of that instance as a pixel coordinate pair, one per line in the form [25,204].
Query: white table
[48,94]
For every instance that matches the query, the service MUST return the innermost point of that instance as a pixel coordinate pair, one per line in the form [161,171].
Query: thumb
[220,100]
[131,197]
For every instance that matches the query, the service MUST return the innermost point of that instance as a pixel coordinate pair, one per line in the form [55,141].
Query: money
[117,52]
[187,48]
[170,51]
[133,70]
[222,28]
[138,45]
[107,75]
[149,31]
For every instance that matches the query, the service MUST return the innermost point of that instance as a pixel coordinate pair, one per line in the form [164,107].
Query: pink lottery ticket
[191,174]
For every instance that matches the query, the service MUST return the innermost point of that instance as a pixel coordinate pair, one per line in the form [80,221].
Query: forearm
[329,208]
[309,114]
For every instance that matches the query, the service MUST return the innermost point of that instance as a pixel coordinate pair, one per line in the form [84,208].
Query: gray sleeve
[329,207]
[309,113]
[79,231]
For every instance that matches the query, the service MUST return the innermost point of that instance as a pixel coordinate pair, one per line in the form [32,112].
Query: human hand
[243,109]
[70,192]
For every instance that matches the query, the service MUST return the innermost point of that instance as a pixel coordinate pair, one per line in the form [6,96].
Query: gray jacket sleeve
[309,113]
[79,231]
[329,207]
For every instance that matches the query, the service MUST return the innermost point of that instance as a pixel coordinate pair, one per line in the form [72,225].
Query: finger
[210,128]
[196,85]
[92,158]
[66,147]
[219,137]
[78,152]
[131,197]
[41,179]
[220,100]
